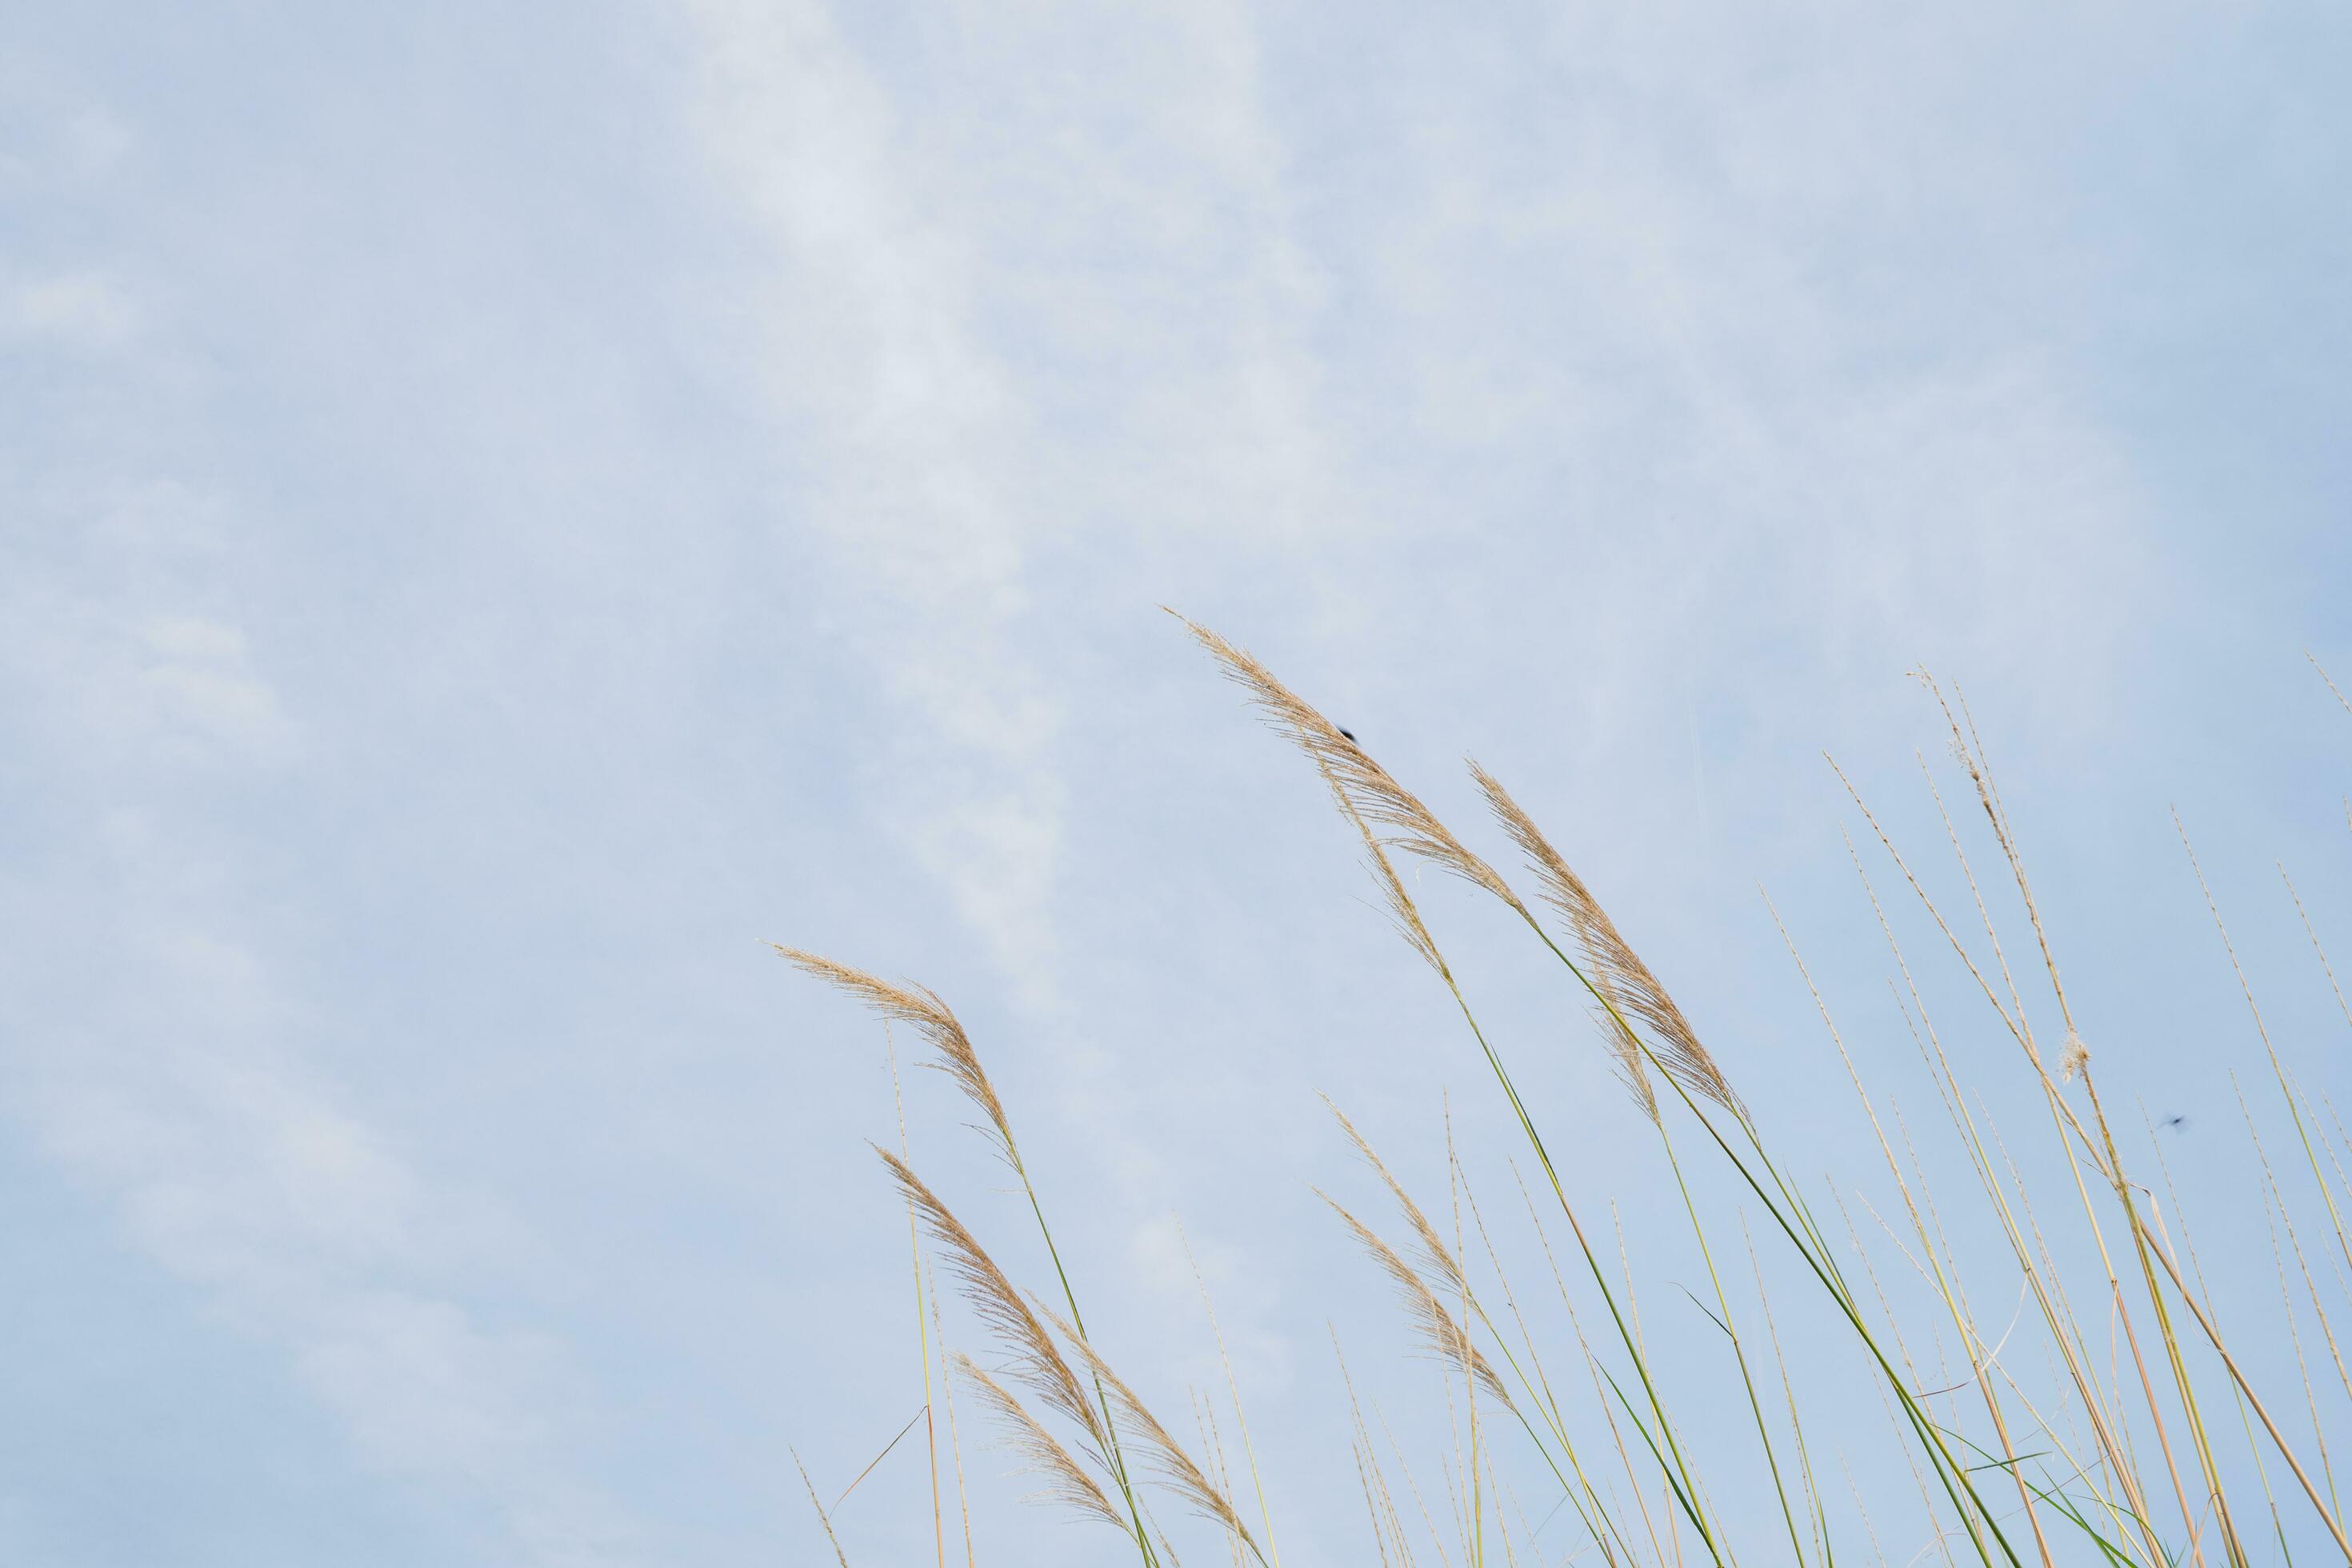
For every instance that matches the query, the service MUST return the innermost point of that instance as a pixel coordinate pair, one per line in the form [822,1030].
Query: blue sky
[512,508]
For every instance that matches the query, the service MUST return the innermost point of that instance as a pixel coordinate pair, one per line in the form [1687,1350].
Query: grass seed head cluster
[2145,1442]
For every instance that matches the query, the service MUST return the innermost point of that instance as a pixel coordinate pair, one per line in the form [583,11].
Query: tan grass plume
[1066,1481]
[1175,1468]
[920,1008]
[1434,1251]
[1034,1360]
[1436,1325]
[1363,783]
[1632,993]
[1403,915]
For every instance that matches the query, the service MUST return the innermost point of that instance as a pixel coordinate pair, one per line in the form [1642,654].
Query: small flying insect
[2177,1123]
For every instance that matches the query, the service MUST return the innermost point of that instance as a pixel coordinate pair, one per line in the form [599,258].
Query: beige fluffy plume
[1436,1325]
[920,1009]
[1631,994]
[1066,1481]
[1367,787]
[1032,1356]
[1175,1468]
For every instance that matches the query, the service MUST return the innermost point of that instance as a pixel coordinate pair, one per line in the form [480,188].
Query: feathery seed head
[1066,1481]
[1033,1358]
[1626,990]
[920,1009]
[1436,1325]
[1435,1252]
[1374,796]
[1170,1464]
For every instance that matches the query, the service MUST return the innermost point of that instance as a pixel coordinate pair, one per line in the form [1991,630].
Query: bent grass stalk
[922,1317]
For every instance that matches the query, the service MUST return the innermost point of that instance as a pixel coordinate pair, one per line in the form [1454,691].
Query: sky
[511,509]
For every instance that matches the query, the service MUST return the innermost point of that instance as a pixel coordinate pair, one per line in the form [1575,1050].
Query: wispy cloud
[188,1099]
[160,1055]
[1019,298]
[78,309]
[905,423]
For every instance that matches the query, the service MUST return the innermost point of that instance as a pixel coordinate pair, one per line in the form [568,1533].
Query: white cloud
[868,354]
[78,309]
[57,136]
[153,690]
[247,1176]
[972,382]
[195,680]
[159,1054]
